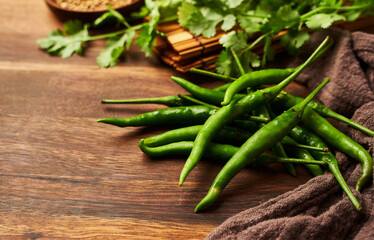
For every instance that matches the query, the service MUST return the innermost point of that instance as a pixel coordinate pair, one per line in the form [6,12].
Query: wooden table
[65,176]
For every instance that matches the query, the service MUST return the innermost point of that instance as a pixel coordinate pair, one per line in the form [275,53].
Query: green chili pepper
[260,141]
[217,151]
[170,101]
[278,148]
[326,112]
[315,170]
[186,115]
[207,95]
[226,134]
[306,137]
[335,138]
[190,115]
[265,77]
[236,108]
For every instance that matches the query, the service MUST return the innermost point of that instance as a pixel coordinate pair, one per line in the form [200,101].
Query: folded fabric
[319,209]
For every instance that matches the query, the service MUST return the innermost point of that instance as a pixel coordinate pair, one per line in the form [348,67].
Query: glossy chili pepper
[335,138]
[278,149]
[207,95]
[265,77]
[231,135]
[260,141]
[170,101]
[326,112]
[306,137]
[236,108]
[222,152]
[188,115]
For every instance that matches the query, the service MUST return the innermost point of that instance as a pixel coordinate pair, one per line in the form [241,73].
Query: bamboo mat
[183,50]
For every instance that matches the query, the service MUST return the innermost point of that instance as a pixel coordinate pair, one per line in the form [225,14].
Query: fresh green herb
[239,19]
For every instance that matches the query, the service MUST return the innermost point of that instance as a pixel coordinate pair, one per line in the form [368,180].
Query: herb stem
[341,8]
[238,63]
[108,35]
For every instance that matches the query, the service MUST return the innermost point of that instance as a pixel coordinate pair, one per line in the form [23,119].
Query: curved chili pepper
[261,77]
[327,112]
[226,134]
[335,138]
[260,141]
[306,137]
[230,112]
[207,95]
[190,115]
[278,148]
[186,115]
[266,76]
[217,151]
[231,135]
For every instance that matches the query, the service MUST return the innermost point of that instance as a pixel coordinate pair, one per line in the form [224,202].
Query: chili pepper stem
[212,74]
[300,68]
[302,105]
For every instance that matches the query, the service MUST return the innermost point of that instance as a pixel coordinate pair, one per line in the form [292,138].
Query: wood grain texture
[64,176]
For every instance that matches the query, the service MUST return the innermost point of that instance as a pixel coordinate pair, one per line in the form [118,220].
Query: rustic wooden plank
[65,176]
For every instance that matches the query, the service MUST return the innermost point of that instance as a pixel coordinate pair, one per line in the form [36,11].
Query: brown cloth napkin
[319,209]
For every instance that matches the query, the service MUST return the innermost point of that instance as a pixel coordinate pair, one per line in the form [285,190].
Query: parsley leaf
[235,41]
[65,44]
[146,39]
[114,49]
[185,13]
[228,22]
[233,3]
[250,25]
[109,16]
[293,40]
[224,63]
[204,21]
[323,20]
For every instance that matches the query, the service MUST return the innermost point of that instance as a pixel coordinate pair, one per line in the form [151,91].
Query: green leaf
[234,40]
[146,39]
[352,15]
[114,49]
[250,25]
[323,20]
[293,40]
[72,27]
[109,16]
[185,12]
[249,59]
[228,22]
[204,22]
[57,43]
[233,3]
[287,14]
[224,63]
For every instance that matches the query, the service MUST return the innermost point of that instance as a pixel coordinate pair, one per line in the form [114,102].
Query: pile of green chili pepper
[237,128]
